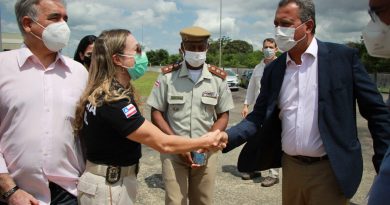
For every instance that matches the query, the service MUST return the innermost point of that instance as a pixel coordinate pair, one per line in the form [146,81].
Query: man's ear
[27,24]
[310,25]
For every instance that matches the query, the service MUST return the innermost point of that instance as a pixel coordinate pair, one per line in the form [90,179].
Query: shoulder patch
[170,68]
[217,71]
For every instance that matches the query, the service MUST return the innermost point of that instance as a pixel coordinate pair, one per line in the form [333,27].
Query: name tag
[176,97]
[209,94]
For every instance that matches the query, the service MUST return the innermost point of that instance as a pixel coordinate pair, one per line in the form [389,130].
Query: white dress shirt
[36,109]
[298,102]
[254,85]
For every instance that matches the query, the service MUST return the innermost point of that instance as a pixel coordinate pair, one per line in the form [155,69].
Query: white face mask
[195,59]
[376,37]
[55,36]
[284,37]
[269,53]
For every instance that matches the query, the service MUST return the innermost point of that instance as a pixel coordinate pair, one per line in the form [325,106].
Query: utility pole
[1,38]
[220,33]
[142,35]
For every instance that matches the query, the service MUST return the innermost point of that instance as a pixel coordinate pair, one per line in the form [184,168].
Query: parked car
[245,77]
[232,79]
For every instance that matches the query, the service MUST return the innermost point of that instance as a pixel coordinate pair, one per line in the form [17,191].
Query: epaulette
[170,68]
[217,71]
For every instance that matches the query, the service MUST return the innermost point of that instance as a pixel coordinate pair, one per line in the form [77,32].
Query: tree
[158,57]
[372,64]
[237,47]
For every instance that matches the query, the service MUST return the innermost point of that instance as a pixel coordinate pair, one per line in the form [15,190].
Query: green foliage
[238,47]
[240,54]
[158,57]
[372,64]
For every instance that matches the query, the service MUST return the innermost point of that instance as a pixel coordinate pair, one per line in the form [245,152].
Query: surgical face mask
[87,61]
[376,37]
[55,36]
[140,66]
[284,37]
[195,59]
[269,53]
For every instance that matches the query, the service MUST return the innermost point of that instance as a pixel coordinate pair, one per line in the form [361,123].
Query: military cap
[194,33]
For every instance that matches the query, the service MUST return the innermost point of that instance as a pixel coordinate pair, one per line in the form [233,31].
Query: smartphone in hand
[199,158]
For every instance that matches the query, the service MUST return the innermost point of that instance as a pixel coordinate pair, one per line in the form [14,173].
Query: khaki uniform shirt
[190,107]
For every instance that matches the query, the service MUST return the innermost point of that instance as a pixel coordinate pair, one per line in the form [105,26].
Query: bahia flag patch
[157,84]
[129,110]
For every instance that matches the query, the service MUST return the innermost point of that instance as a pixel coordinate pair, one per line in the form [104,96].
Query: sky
[157,23]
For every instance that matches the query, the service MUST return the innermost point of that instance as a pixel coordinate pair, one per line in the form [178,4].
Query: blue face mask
[140,66]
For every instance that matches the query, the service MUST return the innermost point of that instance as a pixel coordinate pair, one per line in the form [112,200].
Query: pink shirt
[36,110]
[298,103]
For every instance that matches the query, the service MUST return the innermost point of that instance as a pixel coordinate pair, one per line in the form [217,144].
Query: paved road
[230,189]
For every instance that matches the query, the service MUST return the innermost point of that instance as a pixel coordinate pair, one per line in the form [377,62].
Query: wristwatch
[7,194]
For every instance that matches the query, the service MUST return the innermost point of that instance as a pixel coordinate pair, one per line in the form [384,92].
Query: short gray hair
[306,10]
[27,8]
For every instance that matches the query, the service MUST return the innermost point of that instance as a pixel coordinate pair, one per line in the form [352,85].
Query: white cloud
[210,21]
[158,22]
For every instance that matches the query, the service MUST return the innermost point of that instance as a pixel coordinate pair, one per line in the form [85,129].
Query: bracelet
[7,194]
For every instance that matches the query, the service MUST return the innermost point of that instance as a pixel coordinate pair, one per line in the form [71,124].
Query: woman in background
[84,50]
[112,128]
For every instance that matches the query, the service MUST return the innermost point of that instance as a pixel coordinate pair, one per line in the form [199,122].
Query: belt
[309,160]
[106,170]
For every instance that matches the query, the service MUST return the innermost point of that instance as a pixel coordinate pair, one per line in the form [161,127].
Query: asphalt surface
[230,188]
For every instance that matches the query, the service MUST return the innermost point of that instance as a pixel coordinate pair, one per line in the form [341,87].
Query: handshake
[216,140]
[210,142]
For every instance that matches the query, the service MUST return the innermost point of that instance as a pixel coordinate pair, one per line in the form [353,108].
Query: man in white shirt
[269,50]
[40,159]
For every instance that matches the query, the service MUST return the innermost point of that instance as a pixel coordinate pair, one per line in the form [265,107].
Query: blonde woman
[111,126]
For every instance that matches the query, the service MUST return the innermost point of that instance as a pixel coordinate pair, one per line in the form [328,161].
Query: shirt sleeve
[3,165]
[123,116]
[225,100]
[253,86]
[158,96]
[250,91]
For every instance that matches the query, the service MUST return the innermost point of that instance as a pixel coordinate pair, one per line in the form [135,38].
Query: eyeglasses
[127,55]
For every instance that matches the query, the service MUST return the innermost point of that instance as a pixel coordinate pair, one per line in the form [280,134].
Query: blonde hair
[102,86]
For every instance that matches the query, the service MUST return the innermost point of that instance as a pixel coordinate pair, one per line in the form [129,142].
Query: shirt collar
[312,51]
[26,54]
[205,71]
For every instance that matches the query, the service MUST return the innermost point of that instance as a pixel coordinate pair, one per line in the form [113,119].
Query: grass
[145,84]
[384,89]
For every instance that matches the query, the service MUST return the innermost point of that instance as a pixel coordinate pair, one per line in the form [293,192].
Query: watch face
[199,158]
[113,174]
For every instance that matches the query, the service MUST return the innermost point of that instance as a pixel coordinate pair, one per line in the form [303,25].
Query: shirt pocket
[70,98]
[209,104]
[175,105]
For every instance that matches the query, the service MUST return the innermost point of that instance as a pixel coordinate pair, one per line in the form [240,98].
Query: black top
[105,131]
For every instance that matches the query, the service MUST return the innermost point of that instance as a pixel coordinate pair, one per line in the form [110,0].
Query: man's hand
[217,141]
[244,111]
[20,197]
[186,157]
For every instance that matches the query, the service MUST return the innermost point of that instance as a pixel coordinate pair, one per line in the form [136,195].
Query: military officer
[189,99]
